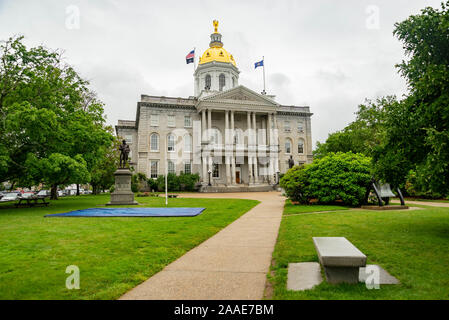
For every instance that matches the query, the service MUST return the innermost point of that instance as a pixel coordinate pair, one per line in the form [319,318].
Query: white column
[227,147]
[209,127]
[203,124]
[205,175]
[232,145]
[249,148]
[269,129]
[203,132]
[255,151]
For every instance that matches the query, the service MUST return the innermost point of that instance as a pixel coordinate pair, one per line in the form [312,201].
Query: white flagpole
[166,174]
[263,59]
[194,59]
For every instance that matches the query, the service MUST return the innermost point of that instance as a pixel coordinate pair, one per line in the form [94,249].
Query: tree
[361,136]
[417,128]
[102,175]
[48,112]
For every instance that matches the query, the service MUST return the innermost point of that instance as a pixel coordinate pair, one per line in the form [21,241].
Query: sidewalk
[425,203]
[230,265]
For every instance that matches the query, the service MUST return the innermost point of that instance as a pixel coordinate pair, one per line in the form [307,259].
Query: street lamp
[277,176]
[209,172]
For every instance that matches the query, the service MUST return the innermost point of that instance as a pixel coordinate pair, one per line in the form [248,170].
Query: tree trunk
[94,189]
[54,192]
[77,189]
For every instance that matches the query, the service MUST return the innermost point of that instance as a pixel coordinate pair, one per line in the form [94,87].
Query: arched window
[221,81]
[154,142]
[187,143]
[207,82]
[170,143]
[288,146]
[301,146]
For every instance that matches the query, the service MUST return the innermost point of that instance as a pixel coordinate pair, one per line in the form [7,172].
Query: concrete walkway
[425,203]
[230,265]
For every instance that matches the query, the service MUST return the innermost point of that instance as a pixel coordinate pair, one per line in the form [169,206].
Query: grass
[113,254]
[290,208]
[410,244]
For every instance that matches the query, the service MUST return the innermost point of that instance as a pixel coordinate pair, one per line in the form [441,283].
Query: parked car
[61,193]
[10,196]
[28,194]
[44,193]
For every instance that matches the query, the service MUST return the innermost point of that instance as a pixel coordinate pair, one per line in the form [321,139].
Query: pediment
[242,95]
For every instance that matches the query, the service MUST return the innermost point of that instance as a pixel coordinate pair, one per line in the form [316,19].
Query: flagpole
[263,59]
[194,59]
[166,175]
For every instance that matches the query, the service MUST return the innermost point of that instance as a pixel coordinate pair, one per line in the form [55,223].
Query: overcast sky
[327,54]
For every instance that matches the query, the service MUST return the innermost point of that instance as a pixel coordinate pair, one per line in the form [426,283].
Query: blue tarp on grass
[131,212]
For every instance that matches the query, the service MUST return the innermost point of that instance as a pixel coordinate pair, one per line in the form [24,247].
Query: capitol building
[234,138]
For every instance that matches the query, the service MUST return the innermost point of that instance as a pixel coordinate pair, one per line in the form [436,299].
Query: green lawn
[113,254]
[290,208]
[412,245]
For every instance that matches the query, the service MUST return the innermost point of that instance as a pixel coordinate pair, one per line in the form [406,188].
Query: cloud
[320,53]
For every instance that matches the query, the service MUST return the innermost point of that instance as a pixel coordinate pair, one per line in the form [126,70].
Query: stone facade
[228,134]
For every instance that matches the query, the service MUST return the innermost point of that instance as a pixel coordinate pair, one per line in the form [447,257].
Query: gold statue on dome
[215,22]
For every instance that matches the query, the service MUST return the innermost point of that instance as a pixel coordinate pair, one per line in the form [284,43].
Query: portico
[238,145]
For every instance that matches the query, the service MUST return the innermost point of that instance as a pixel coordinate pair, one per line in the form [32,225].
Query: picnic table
[32,201]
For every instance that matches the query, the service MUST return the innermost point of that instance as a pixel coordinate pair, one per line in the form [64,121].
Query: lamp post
[209,172]
[277,176]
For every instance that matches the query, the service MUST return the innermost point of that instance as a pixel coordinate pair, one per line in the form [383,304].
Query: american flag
[190,57]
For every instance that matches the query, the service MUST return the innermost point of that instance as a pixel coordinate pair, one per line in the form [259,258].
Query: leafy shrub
[414,187]
[336,177]
[188,181]
[294,183]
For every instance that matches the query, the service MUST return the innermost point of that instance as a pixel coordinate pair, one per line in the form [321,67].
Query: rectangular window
[171,121]
[300,127]
[129,139]
[215,171]
[171,143]
[287,126]
[187,168]
[188,121]
[154,168]
[154,120]
[171,167]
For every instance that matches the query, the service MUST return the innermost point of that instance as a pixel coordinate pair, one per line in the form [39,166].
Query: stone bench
[340,259]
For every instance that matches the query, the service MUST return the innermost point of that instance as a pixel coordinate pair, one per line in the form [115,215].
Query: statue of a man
[124,152]
[291,162]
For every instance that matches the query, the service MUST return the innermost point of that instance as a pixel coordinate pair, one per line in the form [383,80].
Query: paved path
[425,203]
[230,265]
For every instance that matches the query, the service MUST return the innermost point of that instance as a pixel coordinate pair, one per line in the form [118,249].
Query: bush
[336,177]
[415,188]
[294,183]
[188,181]
[152,184]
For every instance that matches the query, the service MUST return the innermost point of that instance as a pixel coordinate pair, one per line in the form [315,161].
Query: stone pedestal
[122,194]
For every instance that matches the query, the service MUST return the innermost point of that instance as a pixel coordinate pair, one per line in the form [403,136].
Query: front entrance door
[237,176]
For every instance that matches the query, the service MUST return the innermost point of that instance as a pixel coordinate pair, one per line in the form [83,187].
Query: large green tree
[49,114]
[362,135]
[417,129]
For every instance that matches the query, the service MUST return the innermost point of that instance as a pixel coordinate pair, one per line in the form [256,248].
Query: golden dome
[216,52]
